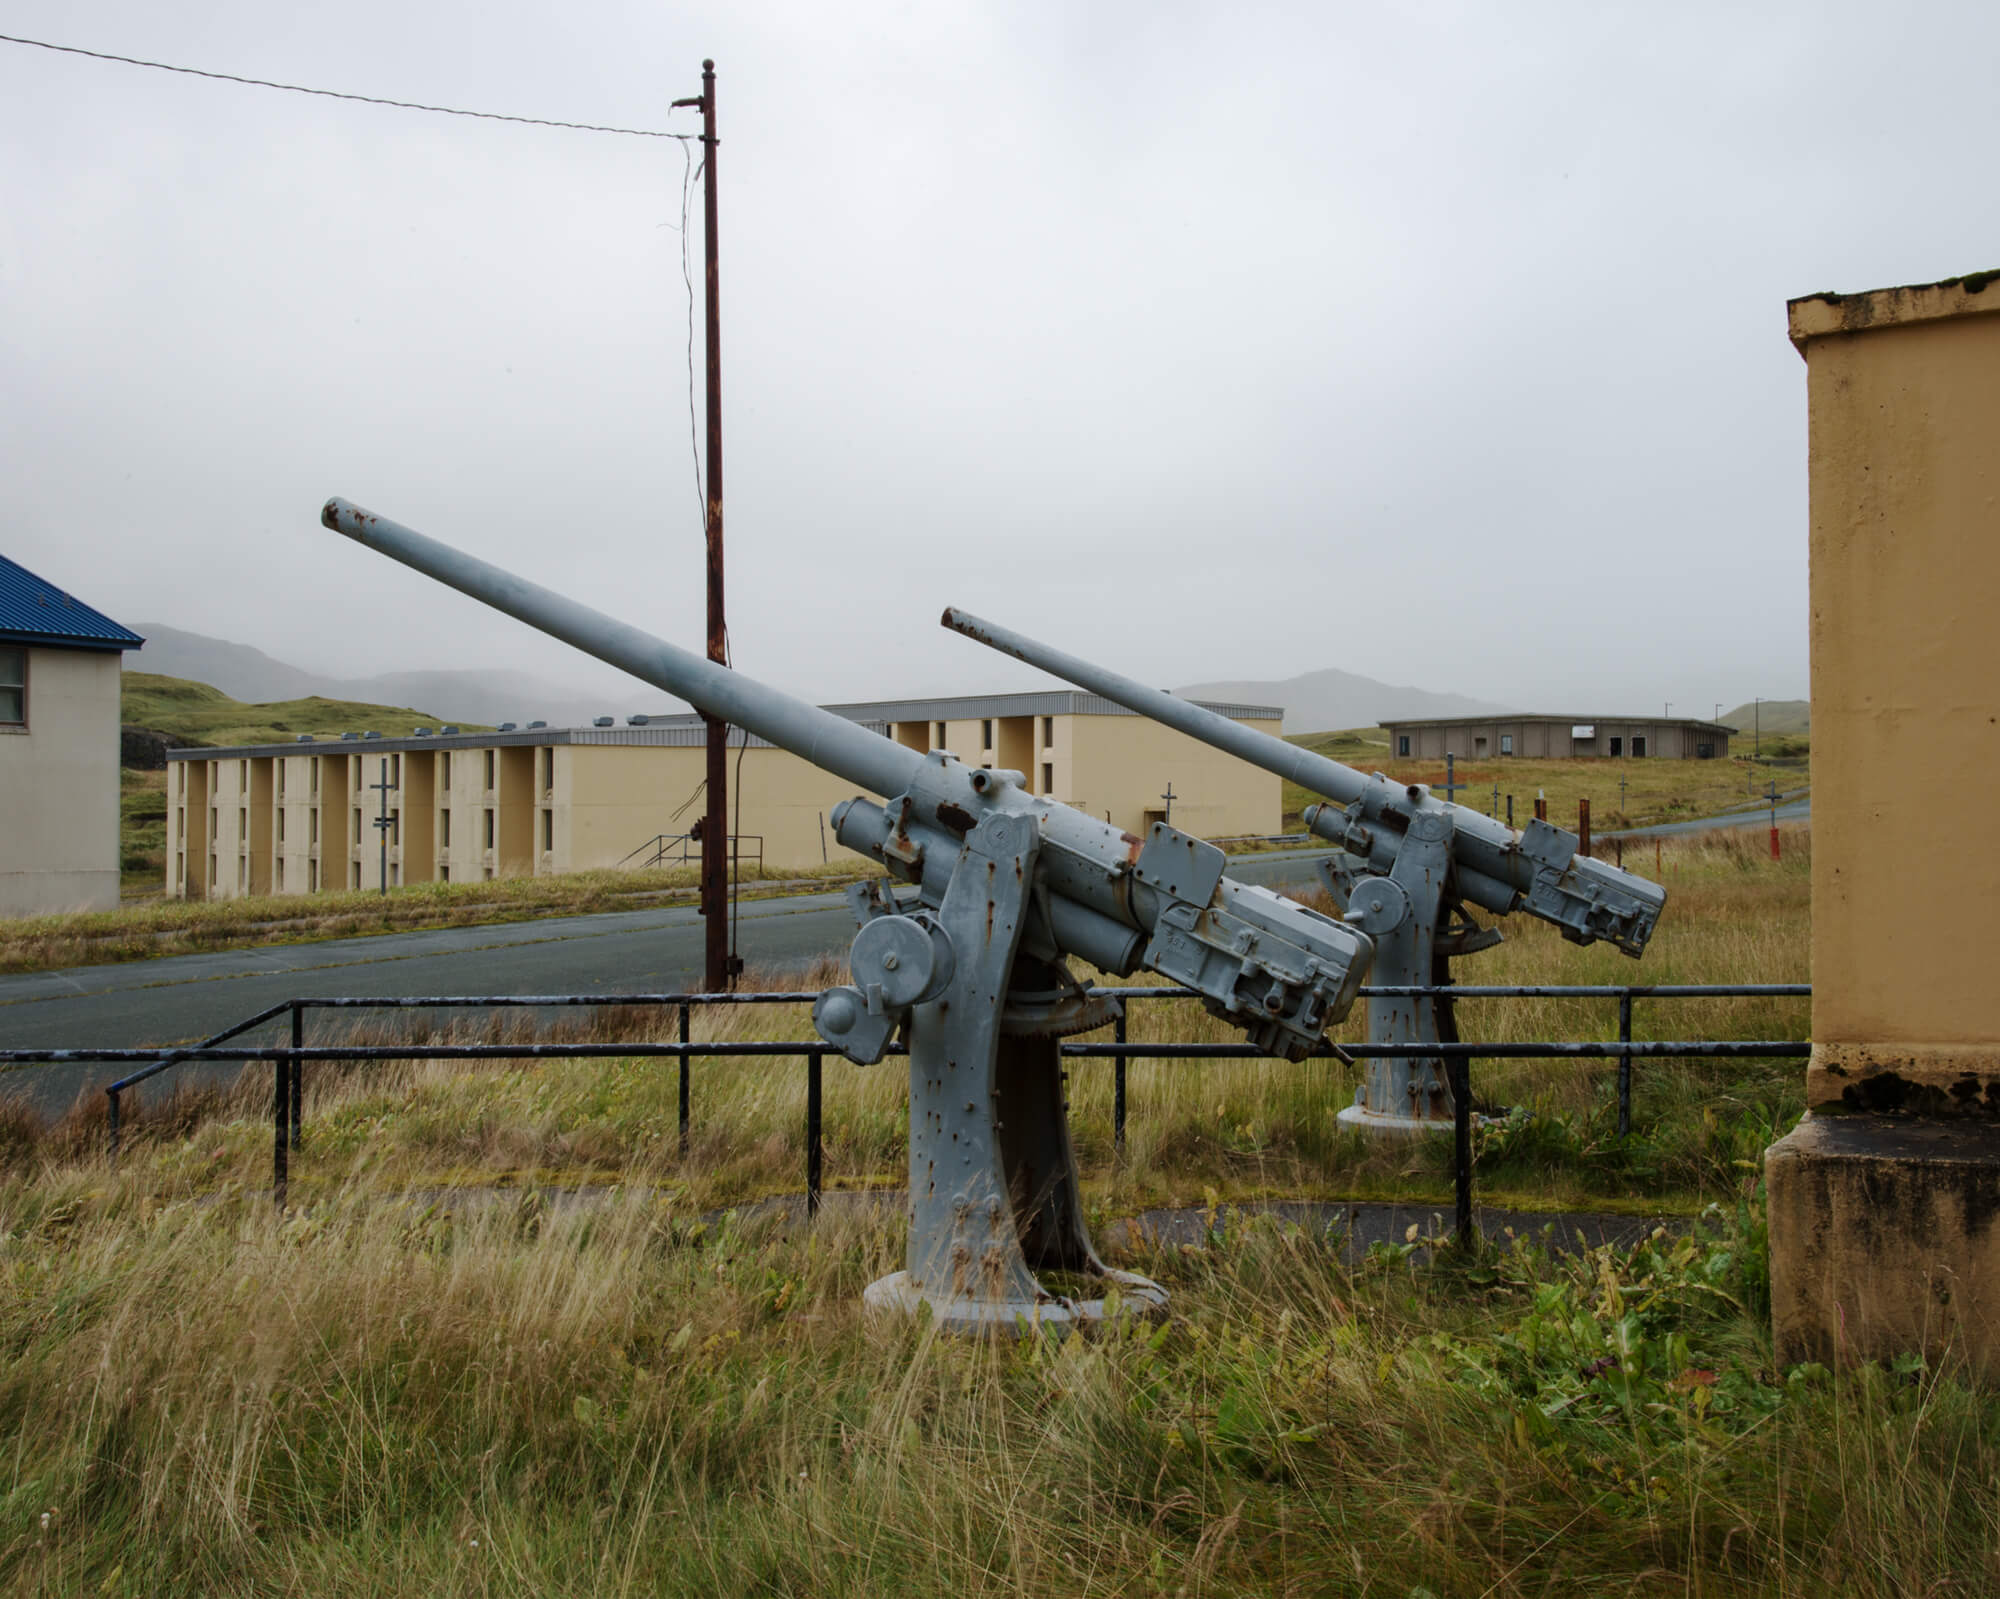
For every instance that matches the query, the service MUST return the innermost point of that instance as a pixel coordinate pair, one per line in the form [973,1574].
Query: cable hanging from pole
[339,94]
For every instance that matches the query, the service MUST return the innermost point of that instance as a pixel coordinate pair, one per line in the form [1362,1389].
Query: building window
[281,825]
[444,871]
[548,759]
[357,874]
[444,770]
[357,824]
[312,877]
[489,768]
[13,687]
[395,771]
[1048,777]
[1617,746]
[243,826]
[444,829]
[242,777]
[313,780]
[356,764]
[548,830]
[986,734]
[278,875]
[396,827]
[1506,743]
[214,824]
[312,827]
[1639,748]
[1402,743]
[1048,732]
[938,742]
[489,829]
[281,763]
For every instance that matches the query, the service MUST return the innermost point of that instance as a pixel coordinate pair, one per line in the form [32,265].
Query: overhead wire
[340,94]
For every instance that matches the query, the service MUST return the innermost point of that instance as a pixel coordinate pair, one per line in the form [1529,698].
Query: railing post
[111,1126]
[1458,1069]
[813,1172]
[684,1080]
[1118,1087]
[298,1071]
[1625,1063]
[280,1071]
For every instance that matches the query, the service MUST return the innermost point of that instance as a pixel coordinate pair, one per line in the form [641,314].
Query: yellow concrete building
[1885,1200]
[300,818]
[59,685]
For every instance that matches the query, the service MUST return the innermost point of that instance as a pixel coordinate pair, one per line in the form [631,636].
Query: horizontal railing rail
[289,1059]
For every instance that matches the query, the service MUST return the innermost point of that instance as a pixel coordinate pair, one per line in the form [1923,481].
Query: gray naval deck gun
[973,969]
[1408,868]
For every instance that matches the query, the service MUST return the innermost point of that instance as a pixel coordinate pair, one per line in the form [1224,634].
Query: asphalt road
[181,998]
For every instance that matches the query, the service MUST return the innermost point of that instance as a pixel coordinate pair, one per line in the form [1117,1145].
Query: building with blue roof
[59,728]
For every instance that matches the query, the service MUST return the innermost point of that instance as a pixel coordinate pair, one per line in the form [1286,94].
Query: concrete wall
[1119,768]
[1903,388]
[1884,1202]
[1541,740]
[59,787]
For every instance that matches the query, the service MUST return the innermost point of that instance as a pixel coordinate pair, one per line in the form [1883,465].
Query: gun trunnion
[973,969]
[1406,867]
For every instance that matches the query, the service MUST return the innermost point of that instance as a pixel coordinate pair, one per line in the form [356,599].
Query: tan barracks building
[301,818]
[1560,738]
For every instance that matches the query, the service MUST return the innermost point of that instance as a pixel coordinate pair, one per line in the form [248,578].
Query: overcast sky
[1441,343]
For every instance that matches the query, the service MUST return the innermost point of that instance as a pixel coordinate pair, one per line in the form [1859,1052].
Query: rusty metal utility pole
[718,968]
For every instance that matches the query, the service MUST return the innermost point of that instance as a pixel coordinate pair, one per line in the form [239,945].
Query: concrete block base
[1885,1238]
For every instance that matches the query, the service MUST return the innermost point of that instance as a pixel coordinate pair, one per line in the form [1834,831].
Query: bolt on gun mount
[974,971]
[1406,867]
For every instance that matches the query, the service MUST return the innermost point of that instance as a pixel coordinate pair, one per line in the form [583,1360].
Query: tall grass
[383,1395]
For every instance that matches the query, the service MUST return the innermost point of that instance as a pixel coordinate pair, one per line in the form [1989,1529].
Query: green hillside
[1772,716]
[203,715]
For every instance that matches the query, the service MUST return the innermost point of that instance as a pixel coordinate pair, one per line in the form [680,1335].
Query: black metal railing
[684,849]
[288,1059]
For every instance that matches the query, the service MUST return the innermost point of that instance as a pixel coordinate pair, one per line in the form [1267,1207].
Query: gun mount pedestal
[993,1185]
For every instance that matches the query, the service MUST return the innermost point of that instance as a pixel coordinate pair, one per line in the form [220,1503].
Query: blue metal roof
[33,611]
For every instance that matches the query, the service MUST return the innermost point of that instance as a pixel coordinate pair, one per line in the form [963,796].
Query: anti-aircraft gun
[1408,869]
[973,968]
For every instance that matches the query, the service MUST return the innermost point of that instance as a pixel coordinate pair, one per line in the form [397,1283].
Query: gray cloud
[1445,346]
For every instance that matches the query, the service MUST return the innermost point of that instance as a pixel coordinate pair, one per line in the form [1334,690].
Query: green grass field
[390,1390]
[1652,790]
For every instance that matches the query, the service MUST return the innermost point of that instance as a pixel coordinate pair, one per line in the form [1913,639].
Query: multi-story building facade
[304,817]
[59,683]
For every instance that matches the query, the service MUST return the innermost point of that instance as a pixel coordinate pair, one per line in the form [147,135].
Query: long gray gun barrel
[880,765]
[1537,870]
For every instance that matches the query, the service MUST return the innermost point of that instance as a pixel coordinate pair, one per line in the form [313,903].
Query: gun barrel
[877,764]
[1308,770]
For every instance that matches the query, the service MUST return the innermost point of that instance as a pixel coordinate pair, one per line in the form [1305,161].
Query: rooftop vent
[420,732]
[506,727]
[350,735]
[303,738]
[446,731]
[371,733]
[604,721]
[637,721]
[533,725]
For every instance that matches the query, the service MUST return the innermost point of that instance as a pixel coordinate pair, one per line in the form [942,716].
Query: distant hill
[1773,716]
[1318,701]
[464,697]
[196,713]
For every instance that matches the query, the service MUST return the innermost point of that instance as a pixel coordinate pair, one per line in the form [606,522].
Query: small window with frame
[13,686]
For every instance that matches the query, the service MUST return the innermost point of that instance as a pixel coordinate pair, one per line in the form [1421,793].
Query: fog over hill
[1319,702]
[489,697]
